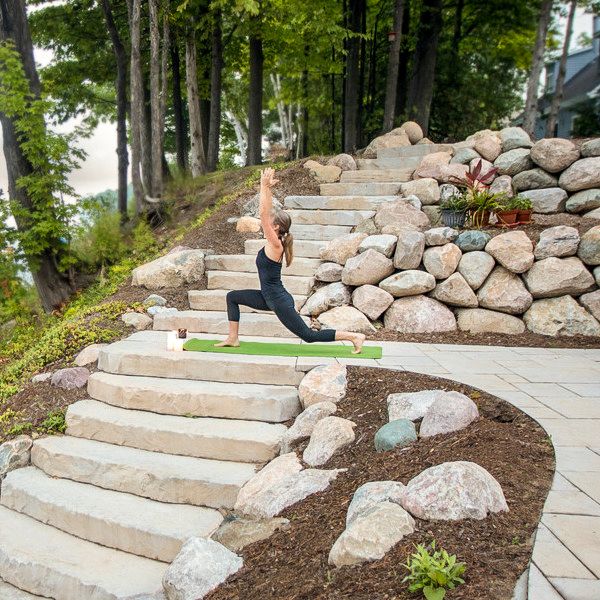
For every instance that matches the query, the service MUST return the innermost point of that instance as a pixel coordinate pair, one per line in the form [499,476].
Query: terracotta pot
[524,216]
[507,217]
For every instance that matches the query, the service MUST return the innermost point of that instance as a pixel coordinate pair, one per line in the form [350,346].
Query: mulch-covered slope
[292,564]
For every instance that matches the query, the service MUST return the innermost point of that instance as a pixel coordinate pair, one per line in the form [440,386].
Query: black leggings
[283,307]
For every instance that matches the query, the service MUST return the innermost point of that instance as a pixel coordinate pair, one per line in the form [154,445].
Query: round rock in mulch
[89,355]
[136,320]
[41,378]
[155,300]
[372,493]
[305,423]
[372,534]
[395,434]
[329,435]
[453,412]
[412,405]
[70,378]
[325,383]
[237,532]
[453,491]
[199,568]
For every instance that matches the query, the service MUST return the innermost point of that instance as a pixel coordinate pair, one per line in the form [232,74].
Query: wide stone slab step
[212,300]
[137,525]
[318,232]
[307,248]
[46,561]
[151,359]
[217,322]
[336,203]
[202,437]
[244,263]
[407,162]
[270,403]
[162,477]
[380,174]
[417,150]
[231,280]
[360,189]
[329,217]
[10,592]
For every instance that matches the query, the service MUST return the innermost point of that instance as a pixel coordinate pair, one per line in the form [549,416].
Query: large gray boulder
[89,355]
[346,318]
[513,162]
[341,249]
[386,141]
[410,128]
[554,154]
[409,249]
[408,283]
[513,250]
[591,302]
[591,148]
[553,277]
[329,296]
[503,184]
[400,213]
[372,493]
[235,533]
[453,412]
[136,320]
[475,268]
[386,244]
[534,179]
[369,267]
[560,316]
[329,272]
[344,161]
[584,201]
[412,405]
[581,175]
[426,190]
[200,567]
[547,201]
[481,320]
[589,246]
[453,491]
[14,454]
[442,261]
[70,378]
[514,137]
[557,241]
[438,236]
[464,156]
[325,383]
[329,435]
[505,292]
[371,534]
[455,291]
[372,301]
[305,422]
[472,240]
[488,146]
[172,270]
[419,314]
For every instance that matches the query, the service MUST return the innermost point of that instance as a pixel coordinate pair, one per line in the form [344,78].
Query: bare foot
[229,343]
[358,340]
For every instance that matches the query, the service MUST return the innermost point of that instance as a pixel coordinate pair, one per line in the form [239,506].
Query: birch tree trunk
[216,77]
[537,63]
[562,72]
[254,154]
[391,82]
[178,112]
[156,179]
[198,156]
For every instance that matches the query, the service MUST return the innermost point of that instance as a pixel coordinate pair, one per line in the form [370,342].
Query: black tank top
[269,273]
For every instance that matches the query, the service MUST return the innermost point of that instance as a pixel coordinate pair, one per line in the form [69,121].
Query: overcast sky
[99,171]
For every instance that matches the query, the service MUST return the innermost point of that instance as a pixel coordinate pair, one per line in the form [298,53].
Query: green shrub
[54,422]
[433,572]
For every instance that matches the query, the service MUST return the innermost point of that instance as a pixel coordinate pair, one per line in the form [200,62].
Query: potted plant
[482,204]
[506,211]
[454,210]
[524,209]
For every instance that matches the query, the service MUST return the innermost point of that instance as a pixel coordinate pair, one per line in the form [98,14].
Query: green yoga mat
[275,349]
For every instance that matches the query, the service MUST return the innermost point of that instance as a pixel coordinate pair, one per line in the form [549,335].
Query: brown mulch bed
[292,564]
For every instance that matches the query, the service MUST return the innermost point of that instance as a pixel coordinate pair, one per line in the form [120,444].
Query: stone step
[9,592]
[336,202]
[270,403]
[378,174]
[232,280]
[137,525]
[319,232]
[201,437]
[151,359]
[307,248]
[217,300]
[417,150]
[46,561]
[329,217]
[217,322]
[394,163]
[154,475]
[244,263]
[360,189]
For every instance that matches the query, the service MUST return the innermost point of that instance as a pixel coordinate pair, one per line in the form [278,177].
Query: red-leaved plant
[474,178]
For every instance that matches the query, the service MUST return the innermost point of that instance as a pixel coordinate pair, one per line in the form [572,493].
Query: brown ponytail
[284,221]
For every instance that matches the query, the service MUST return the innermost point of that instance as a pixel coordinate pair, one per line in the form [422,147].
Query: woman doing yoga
[272,295]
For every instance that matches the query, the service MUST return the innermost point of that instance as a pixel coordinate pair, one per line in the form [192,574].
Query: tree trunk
[537,63]
[303,144]
[121,88]
[254,155]
[137,100]
[146,137]
[391,82]
[216,78]
[361,72]
[562,72]
[402,87]
[53,286]
[198,158]
[164,85]
[181,146]
[351,83]
[205,124]
[332,130]
[156,179]
[421,86]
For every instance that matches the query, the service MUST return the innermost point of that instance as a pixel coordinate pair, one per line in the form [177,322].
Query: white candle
[178,345]
[171,337]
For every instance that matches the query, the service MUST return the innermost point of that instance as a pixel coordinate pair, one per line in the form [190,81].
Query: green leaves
[433,572]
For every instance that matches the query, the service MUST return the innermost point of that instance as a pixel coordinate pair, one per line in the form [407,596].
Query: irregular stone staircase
[167,439]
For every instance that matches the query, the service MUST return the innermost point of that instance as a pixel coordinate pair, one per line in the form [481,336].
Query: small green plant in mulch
[432,572]
[54,422]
